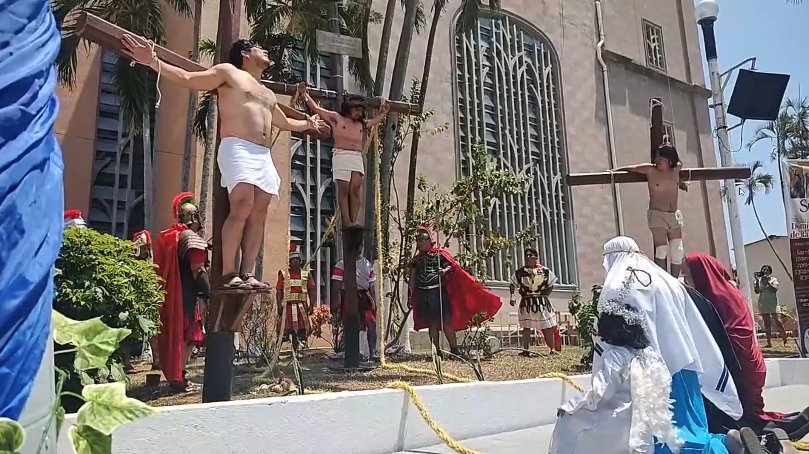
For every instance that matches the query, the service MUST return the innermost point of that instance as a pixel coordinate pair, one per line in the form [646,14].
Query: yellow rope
[801,445]
[425,415]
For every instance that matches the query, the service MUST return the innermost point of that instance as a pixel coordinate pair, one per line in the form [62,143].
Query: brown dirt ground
[318,377]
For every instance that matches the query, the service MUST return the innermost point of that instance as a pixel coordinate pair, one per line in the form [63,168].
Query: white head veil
[673,324]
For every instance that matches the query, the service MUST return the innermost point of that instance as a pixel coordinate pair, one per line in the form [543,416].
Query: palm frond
[356,17]
[758,181]
[136,92]
[207,50]
[200,125]
[181,7]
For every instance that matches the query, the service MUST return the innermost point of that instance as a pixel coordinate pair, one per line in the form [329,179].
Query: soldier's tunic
[296,286]
[536,311]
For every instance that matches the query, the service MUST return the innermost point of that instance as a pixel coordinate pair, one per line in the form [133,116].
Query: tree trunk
[414,143]
[192,102]
[206,189]
[148,172]
[395,94]
[384,43]
[767,237]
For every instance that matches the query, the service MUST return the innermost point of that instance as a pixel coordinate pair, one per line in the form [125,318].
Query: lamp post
[707,12]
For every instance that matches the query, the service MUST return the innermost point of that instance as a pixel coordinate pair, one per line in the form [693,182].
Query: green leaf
[118,373]
[87,440]
[12,436]
[86,379]
[94,341]
[60,419]
[107,407]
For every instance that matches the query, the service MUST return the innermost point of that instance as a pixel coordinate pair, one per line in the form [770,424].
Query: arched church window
[508,98]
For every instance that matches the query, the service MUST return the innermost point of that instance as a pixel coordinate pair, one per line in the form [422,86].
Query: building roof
[771,237]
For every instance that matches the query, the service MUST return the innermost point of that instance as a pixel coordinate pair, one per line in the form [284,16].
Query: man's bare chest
[255,93]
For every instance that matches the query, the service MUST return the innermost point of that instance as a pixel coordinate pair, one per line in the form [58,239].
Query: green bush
[586,314]
[98,276]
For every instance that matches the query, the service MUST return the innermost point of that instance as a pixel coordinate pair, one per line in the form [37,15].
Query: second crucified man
[349,132]
[247,113]
[664,218]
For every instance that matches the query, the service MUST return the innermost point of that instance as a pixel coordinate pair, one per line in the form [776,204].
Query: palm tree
[135,86]
[761,181]
[789,133]
[470,12]
[192,100]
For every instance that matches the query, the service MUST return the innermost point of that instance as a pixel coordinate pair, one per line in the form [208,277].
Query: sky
[773,31]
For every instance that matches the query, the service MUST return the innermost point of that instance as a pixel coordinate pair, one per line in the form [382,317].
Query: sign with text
[339,44]
[796,178]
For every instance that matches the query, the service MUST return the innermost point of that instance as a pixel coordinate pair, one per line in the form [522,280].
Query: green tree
[452,214]
[789,133]
[134,85]
[761,181]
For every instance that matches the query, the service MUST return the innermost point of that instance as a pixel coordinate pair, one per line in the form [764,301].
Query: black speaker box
[757,95]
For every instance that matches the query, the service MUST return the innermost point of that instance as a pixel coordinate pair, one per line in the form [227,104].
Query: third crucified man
[665,219]
[349,132]
[247,113]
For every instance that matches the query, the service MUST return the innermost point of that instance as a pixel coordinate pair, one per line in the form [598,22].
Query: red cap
[72,214]
[141,236]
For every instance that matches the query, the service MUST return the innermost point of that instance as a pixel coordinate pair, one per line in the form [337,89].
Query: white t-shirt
[365,273]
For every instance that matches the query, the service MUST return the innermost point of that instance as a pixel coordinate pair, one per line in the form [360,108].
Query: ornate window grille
[655,53]
[508,98]
[117,192]
[313,197]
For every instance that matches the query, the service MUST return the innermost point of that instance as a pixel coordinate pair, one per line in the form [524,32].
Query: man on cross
[350,131]
[664,218]
[247,113]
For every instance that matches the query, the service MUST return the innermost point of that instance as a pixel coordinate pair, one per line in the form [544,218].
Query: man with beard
[295,288]
[444,297]
[247,113]
[350,131]
[181,256]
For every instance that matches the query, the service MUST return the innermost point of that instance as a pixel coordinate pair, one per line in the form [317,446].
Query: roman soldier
[535,282]
[73,219]
[295,288]
[445,297]
[182,256]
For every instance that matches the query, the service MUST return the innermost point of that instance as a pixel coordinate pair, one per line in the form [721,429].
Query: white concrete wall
[366,422]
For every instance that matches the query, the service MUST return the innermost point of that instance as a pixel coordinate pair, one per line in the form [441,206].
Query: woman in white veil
[675,328]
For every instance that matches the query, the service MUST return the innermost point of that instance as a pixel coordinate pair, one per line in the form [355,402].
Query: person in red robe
[444,296]
[291,290]
[181,256]
[711,279]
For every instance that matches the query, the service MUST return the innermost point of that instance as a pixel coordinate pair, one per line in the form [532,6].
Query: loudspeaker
[757,95]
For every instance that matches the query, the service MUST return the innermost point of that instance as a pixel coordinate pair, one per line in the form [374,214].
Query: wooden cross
[227,307]
[656,137]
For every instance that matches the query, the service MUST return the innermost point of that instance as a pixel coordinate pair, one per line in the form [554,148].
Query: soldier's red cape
[466,294]
[171,342]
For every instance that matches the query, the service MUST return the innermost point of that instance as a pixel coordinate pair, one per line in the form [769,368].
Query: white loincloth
[241,161]
[343,162]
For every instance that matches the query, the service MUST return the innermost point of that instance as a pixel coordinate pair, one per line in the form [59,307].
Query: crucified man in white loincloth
[349,132]
[247,113]
[665,219]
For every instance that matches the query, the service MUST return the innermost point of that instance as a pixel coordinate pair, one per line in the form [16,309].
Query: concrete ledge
[370,422]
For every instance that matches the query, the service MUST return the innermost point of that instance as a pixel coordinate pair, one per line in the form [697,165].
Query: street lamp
[707,11]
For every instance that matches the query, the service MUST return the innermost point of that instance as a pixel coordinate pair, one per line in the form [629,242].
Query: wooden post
[217,384]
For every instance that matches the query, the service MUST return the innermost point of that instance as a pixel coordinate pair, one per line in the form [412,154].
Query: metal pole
[725,154]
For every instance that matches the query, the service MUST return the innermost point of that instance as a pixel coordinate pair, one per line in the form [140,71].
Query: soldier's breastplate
[300,294]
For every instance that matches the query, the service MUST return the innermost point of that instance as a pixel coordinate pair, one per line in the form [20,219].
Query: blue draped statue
[31,199]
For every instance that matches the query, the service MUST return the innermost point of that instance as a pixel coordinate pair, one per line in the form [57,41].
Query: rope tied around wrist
[159,68]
